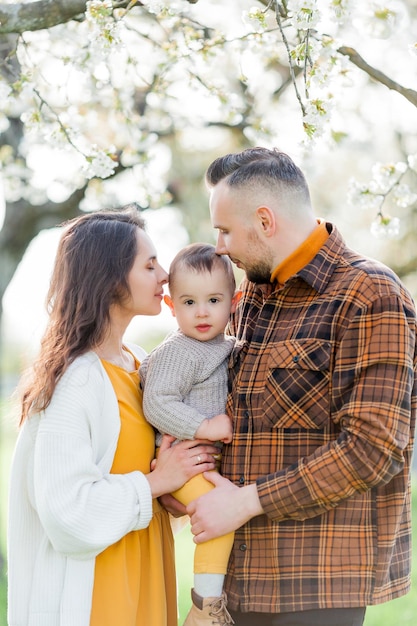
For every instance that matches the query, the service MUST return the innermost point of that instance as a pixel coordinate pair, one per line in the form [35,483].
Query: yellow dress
[134,580]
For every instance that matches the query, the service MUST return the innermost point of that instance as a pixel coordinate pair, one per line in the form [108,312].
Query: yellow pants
[210,557]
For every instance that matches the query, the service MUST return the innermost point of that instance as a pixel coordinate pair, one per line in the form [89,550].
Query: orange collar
[301,255]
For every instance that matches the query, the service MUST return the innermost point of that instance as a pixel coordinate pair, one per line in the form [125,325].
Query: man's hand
[223,509]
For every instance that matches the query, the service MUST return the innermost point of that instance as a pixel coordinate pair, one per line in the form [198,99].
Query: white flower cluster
[342,9]
[100,163]
[5,92]
[305,14]
[104,29]
[121,76]
[385,227]
[378,18]
[317,115]
[385,182]
[412,48]
[412,162]
[359,194]
[385,176]
[255,19]
[157,7]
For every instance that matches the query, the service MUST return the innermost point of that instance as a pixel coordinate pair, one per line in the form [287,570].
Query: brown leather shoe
[208,611]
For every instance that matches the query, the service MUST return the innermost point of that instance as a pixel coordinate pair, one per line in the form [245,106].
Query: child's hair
[200,257]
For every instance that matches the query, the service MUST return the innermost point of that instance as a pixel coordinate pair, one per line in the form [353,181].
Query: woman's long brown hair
[95,255]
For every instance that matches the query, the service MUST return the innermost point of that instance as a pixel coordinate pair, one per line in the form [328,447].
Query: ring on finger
[198,459]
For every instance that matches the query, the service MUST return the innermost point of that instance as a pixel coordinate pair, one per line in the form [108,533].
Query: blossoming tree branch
[97,91]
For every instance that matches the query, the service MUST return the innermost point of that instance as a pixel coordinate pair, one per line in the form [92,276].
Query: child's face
[202,303]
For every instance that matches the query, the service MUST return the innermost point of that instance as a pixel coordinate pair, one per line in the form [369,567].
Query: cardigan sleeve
[83,508]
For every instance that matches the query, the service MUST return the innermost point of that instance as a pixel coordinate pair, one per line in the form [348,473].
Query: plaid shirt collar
[318,272]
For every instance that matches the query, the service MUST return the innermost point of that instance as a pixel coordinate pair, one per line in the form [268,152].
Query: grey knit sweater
[184,382]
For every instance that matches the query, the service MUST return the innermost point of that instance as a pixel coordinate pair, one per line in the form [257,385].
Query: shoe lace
[219,611]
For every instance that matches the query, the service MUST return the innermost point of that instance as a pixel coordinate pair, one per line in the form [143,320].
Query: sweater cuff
[145,504]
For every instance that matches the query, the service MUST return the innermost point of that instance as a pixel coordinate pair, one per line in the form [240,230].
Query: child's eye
[188,302]
[213,300]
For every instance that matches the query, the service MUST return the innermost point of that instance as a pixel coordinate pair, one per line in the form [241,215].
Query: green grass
[3,602]
[7,439]
[184,552]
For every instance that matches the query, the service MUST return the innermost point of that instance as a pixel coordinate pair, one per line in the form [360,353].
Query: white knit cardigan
[64,505]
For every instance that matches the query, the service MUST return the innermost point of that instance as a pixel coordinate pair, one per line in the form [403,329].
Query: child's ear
[237,296]
[168,301]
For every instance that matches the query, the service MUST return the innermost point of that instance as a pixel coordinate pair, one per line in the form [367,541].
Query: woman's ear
[168,301]
[236,297]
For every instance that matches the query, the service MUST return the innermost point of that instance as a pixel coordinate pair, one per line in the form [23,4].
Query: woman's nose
[163,278]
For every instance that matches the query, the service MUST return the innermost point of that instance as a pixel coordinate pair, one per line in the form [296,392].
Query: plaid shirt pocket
[297,384]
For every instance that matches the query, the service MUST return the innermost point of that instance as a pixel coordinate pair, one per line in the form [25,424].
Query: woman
[88,542]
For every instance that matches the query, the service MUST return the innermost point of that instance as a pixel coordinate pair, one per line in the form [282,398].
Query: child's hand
[218,428]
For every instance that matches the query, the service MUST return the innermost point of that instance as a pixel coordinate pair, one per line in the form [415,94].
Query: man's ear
[266,218]
[236,297]
[168,301]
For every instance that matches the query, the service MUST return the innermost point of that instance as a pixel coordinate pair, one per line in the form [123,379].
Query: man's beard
[259,273]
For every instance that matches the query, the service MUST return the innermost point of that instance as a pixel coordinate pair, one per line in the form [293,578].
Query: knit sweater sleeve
[171,371]
[82,506]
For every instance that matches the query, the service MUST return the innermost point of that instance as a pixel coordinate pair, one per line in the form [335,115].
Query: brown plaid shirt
[323,396]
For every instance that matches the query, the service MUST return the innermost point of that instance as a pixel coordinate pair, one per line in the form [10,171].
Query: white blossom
[255,19]
[158,7]
[377,18]
[305,14]
[412,48]
[385,176]
[412,162]
[155,6]
[403,196]
[341,9]
[5,91]
[385,227]
[15,178]
[32,119]
[105,31]
[98,11]
[361,196]
[4,123]
[317,114]
[99,163]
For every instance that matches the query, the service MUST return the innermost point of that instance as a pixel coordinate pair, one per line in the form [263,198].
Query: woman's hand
[176,464]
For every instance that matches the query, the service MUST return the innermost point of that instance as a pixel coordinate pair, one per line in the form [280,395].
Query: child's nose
[202,310]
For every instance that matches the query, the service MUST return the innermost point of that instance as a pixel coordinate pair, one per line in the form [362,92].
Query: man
[316,481]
